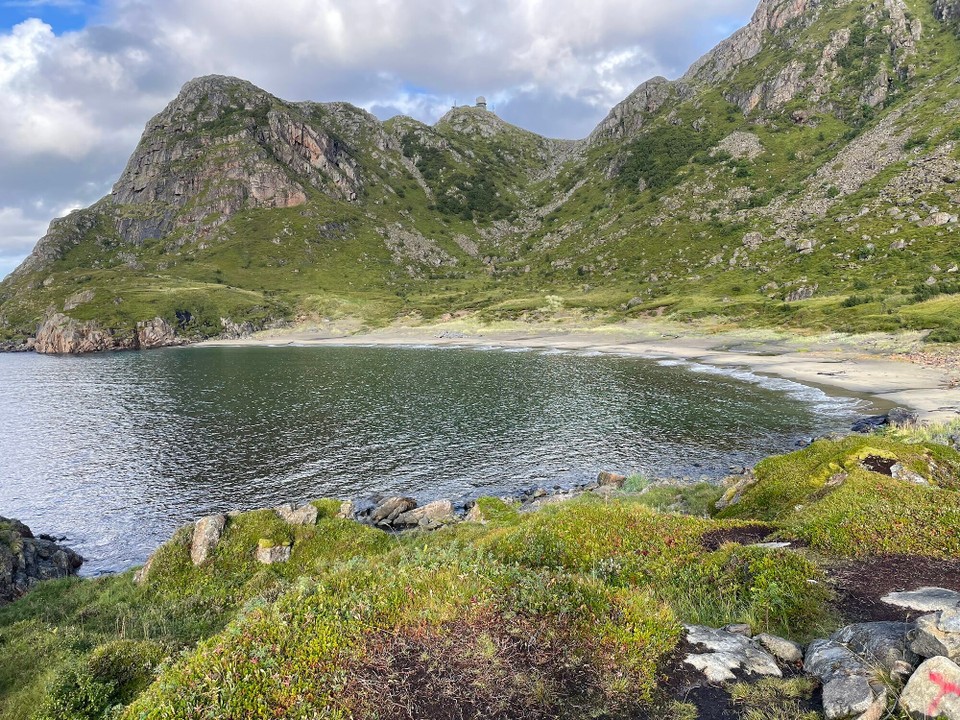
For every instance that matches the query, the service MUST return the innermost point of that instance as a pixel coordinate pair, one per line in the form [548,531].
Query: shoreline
[881,369]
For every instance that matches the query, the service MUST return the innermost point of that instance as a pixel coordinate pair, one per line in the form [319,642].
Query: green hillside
[805,174]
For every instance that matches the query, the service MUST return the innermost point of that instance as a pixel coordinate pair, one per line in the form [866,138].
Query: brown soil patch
[881,465]
[861,583]
[745,535]
[484,667]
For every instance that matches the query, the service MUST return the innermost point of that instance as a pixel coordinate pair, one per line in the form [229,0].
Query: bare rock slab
[933,691]
[925,599]
[206,536]
[729,652]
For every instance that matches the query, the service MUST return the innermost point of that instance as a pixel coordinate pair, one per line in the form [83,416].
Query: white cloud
[74,104]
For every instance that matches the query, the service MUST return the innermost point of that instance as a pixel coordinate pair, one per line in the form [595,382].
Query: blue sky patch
[61,15]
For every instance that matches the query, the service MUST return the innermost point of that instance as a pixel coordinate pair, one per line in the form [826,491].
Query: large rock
[206,536]
[269,554]
[302,515]
[847,697]
[925,599]
[786,651]
[729,652]
[610,479]
[933,691]
[431,515]
[26,560]
[886,643]
[934,636]
[390,509]
[848,687]
[60,334]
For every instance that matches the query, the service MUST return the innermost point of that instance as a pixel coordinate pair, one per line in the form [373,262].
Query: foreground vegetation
[571,611]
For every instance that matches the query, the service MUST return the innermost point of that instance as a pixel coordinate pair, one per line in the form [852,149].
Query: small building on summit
[482,102]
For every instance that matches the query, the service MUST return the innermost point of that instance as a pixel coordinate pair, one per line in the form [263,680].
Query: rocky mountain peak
[770,17]
[475,121]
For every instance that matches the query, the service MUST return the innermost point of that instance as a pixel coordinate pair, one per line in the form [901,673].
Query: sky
[80,78]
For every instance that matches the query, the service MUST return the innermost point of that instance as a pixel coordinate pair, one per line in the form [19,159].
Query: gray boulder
[933,691]
[390,509]
[206,536]
[886,643]
[848,687]
[431,515]
[294,515]
[931,640]
[26,560]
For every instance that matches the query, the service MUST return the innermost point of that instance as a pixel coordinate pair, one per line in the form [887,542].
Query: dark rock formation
[25,560]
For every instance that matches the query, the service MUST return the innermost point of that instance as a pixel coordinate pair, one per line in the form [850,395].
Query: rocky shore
[26,559]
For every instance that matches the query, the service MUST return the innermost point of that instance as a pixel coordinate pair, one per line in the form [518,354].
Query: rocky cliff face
[60,334]
[221,146]
[947,10]
[26,560]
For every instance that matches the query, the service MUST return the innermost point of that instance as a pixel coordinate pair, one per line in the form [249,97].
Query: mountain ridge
[238,209]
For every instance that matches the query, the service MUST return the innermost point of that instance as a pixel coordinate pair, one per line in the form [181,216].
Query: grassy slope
[563,612]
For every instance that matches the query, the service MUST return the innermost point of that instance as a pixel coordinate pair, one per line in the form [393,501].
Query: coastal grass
[573,610]
[828,495]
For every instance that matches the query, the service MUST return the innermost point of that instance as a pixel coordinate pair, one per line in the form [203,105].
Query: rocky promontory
[26,559]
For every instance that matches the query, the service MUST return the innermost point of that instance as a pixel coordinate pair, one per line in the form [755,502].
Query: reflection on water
[116,451]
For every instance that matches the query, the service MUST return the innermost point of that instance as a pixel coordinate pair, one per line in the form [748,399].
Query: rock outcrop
[206,537]
[61,334]
[26,559]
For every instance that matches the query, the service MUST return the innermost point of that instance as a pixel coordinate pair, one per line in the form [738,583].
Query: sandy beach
[888,370]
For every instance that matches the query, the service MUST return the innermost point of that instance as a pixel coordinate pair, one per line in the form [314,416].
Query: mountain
[805,173]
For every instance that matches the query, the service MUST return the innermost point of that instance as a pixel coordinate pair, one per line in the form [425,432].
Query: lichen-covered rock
[930,639]
[786,651]
[933,691]
[269,554]
[26,560]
